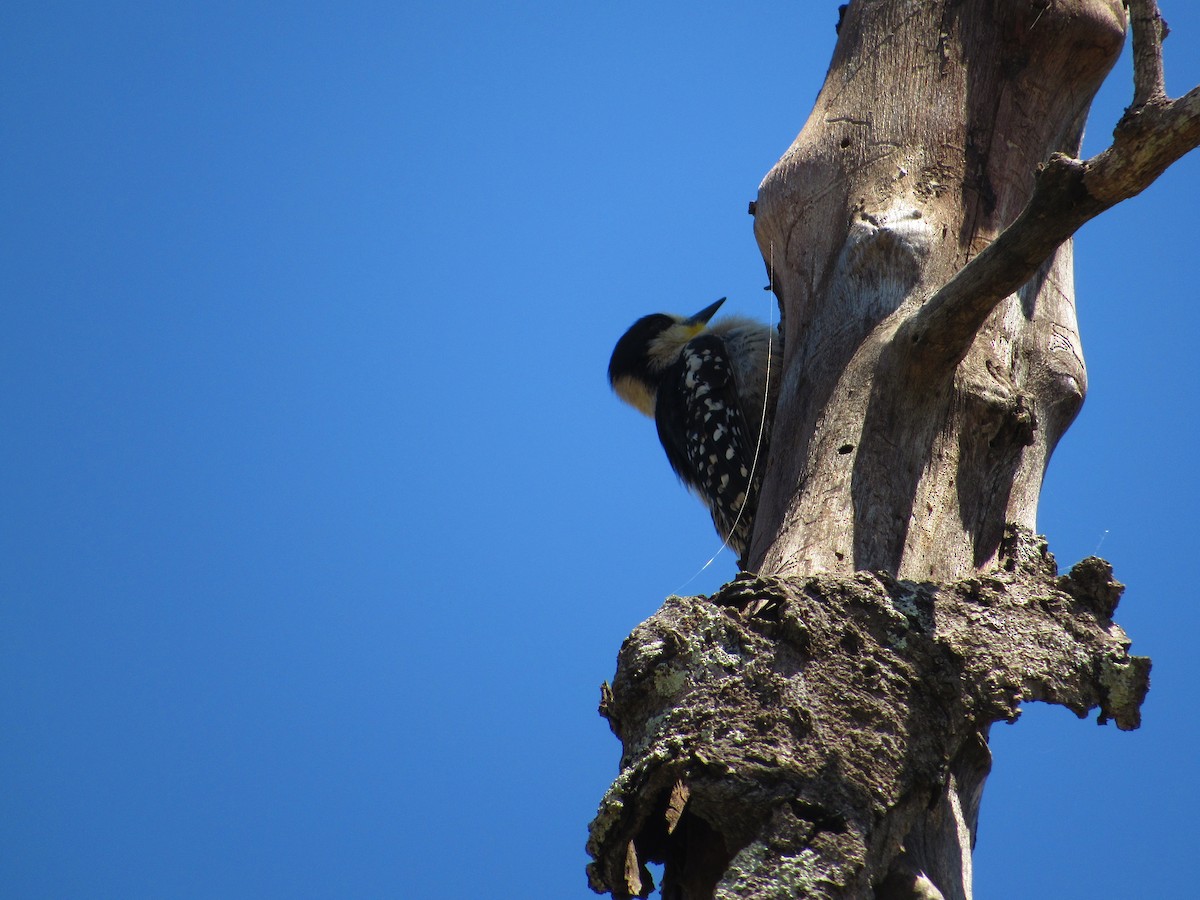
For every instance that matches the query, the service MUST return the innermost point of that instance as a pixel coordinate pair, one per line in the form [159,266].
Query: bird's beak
[702,317]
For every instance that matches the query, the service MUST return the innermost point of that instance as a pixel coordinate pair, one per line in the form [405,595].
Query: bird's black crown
[630,358]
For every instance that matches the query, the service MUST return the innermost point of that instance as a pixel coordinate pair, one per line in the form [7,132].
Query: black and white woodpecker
[708,388]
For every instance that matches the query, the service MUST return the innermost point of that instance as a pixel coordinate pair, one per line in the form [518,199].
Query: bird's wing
[702,428]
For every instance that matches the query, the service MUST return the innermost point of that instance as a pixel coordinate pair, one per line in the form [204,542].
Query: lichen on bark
[824,731]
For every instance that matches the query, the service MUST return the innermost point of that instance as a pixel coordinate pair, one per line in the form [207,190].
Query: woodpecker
[707,387]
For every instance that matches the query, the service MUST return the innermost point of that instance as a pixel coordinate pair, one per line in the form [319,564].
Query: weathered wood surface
[924,141]
[788,737]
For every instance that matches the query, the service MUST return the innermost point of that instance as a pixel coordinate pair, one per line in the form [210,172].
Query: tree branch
[1149,31]
[1146,142]
[1152,134]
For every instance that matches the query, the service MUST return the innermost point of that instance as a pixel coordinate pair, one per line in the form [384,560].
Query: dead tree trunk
[820,729]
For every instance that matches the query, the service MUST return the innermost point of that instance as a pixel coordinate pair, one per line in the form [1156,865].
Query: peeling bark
[819,729]
[824,736]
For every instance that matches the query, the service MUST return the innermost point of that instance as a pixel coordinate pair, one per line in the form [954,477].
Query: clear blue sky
[321,528]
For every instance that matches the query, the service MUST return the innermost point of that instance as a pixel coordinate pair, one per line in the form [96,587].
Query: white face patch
[636,394]
[665,348]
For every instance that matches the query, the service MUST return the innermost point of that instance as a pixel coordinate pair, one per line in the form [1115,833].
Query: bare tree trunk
[821,729]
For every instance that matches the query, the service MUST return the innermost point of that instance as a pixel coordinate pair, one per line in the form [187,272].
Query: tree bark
[820,729]
[826,736]
[903,456]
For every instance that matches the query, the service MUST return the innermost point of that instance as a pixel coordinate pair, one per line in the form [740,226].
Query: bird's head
[648,349]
